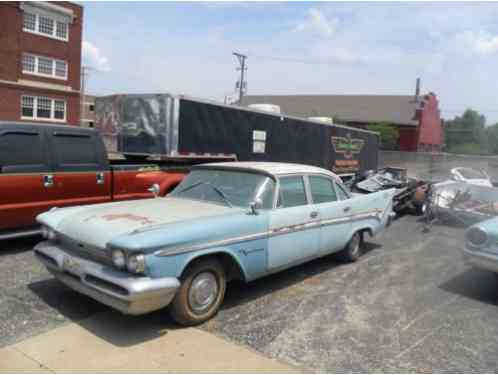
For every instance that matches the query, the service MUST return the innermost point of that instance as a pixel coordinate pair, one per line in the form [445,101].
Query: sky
[296,48]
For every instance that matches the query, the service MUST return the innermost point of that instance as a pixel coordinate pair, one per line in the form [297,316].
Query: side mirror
[154,189]
[255,206]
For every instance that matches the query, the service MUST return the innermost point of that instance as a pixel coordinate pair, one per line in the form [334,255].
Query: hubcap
[203,292]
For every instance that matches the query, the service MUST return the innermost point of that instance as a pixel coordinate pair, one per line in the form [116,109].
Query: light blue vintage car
[481,245]
[225,221]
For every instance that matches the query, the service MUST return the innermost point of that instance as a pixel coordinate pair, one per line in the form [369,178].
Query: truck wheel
[352,251]
[201,293]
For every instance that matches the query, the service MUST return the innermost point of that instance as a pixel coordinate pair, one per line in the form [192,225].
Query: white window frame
[54,62]
[36,31]
[52,109]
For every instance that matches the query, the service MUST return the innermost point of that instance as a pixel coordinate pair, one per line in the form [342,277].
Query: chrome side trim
[20,234]
[374,214]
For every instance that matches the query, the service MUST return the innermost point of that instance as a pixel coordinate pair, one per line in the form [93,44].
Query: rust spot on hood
[132,217]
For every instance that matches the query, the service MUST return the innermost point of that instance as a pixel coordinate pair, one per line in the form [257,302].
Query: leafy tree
[388,134]
[492,138]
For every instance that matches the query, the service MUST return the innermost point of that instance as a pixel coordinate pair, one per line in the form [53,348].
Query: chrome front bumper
[480,259]
[129,294]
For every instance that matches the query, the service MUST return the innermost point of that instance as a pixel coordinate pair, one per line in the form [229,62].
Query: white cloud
[480,42]
[318,23]
[93,57]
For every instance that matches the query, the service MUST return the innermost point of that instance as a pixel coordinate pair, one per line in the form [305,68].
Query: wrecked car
[410,192]
[471,176]
[461,203]
[224,221]
[481,245]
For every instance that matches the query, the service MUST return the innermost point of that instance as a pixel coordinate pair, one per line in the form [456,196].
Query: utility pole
[242,61]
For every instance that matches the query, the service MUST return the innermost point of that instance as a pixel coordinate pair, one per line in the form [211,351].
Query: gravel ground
[409,304]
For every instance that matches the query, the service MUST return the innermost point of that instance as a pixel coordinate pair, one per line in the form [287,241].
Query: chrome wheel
[203,292]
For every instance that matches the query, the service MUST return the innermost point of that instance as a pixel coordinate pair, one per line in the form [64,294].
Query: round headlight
[136,263]
[476,237]
[118,258]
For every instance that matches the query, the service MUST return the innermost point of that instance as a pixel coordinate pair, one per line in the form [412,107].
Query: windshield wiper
[216,189]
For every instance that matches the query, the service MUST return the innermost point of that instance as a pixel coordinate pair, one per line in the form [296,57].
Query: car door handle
[48,180]
[314,214]
[347,209]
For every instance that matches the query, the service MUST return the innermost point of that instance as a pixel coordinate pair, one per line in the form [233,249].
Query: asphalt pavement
[410,304]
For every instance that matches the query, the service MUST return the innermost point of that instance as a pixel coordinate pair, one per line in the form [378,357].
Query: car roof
[270,168]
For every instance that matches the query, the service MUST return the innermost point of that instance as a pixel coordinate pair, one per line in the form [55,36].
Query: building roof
[394,109]
[270,168]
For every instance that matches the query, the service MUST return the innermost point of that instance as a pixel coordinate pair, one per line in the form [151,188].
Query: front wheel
[201,293]
[352,251]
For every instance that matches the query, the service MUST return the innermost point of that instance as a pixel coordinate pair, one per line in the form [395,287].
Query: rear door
[334,212]
[82,173]
[26,176]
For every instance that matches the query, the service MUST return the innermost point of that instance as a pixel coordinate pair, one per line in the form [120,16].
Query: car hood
[96,225]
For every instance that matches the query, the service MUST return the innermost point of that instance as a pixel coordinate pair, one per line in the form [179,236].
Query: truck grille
[85,251]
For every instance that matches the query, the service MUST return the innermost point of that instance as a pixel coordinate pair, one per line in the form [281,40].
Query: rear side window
[322,189]
[22,151]
[75,151]
[292,192]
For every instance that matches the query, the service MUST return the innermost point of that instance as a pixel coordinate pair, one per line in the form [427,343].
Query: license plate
[70,264]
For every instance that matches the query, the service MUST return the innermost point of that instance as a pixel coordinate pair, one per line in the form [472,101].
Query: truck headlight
[136,263]
[118,258]
[48,233]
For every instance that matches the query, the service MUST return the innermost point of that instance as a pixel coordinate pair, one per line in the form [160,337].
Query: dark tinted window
[75,151]
[322,189]
[21,152]
[291,192]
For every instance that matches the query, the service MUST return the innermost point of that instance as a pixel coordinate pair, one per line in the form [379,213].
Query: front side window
[231,188]
[292,192]
[341,192]
[322,189]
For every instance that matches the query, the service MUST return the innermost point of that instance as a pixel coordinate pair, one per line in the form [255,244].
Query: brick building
[40,61]
[417,117]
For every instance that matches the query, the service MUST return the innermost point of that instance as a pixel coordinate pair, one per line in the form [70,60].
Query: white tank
[328,120]
[266,107]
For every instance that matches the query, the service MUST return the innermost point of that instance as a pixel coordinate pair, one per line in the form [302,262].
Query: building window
[29,21]
[41,108]
[28,106]
[28,63]
[61,69]
[37,24]
[61,30]
[44,66]
[91,107]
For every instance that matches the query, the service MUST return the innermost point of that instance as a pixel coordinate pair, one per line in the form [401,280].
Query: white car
[471,176]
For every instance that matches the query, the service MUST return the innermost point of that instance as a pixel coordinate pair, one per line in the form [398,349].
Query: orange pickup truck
[44,166]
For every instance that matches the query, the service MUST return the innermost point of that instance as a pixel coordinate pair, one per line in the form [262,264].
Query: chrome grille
[83,250]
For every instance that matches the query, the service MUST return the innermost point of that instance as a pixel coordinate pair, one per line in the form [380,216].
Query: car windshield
[471,173]
[232,188]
